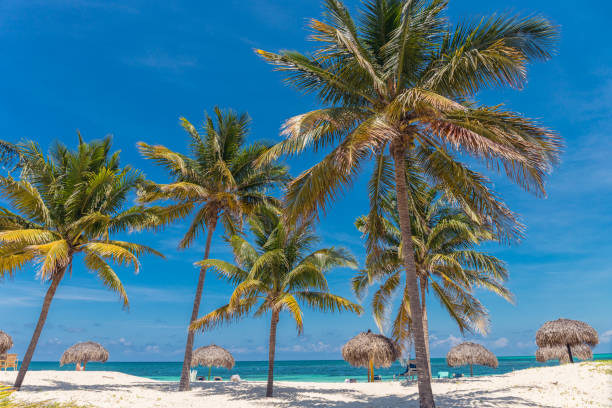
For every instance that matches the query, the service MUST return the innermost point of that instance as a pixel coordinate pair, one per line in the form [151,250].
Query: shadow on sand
[290,396]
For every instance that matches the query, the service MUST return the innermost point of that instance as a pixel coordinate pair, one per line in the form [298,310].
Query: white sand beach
[578,385]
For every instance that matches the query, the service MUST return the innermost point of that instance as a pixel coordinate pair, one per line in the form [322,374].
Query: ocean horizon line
[597,356]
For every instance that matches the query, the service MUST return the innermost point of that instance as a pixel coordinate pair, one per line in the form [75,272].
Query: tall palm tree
[68,204]
[281,271]
[9,153]
[217,181]
[447,259]
[402,78]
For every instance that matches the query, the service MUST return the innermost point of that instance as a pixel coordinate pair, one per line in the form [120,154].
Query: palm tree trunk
[424,379]
[271,351]
[184,384]
[425,321]
[27,358]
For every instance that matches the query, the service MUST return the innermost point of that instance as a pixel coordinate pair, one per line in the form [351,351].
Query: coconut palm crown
[402,78]
[67,204]
[216,181]
[281,271]
[447,258]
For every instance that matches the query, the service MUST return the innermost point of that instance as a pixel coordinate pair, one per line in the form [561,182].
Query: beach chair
[193,375]
[411,371]
[443,374]
[10,362]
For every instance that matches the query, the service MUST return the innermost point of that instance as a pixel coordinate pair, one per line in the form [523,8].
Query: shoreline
[586,384]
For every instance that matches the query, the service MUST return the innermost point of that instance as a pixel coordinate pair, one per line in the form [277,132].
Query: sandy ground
[579,385]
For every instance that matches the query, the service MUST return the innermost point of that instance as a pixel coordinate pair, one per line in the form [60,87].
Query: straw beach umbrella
[370,350]
[566,333]
[581,351]
[82,353]
[212,356]
[469,353]
[6,342]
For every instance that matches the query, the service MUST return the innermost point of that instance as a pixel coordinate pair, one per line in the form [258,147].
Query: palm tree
[402,78]
[279,272]
[67,204]
[447,259]
[218,181]
[9,153]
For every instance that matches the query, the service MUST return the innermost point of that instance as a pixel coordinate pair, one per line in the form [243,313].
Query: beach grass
[7,402]
[604,366]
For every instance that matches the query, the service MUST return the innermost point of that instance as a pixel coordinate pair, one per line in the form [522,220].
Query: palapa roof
[84,352]
[562,332]
[6,342]
[367,346]
[212,356]
[581,351]
[469,353]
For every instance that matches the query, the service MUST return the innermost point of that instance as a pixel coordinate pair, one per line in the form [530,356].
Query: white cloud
[526,344]
[246,350]
[152,349]
[54,341]
[315,347]
[124,342]
[501,342]
[449,341]
[606,337]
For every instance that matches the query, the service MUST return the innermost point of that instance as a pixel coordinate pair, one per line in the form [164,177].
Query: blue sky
[132,68]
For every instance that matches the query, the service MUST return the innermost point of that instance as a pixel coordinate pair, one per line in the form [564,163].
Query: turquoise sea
[297,370]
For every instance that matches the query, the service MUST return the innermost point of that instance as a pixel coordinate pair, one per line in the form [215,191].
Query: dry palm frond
[368,347]
[562,332]
[581,351]
[212,356]
[6,342]
[471,354]
[82,353]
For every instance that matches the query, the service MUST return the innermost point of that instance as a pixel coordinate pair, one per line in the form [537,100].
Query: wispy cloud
[30,294]
[449,341]
[606,337]
[501,342]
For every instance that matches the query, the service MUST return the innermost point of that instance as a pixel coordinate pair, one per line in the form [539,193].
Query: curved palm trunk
[184,384]
[271,351]
[424,379]
[27,358]
[425,321]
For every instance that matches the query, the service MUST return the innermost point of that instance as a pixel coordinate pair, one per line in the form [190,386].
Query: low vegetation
[7,402]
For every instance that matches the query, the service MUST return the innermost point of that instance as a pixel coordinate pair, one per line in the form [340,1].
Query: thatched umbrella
[582,351]
[212,356]
[370,350]
[566,333]
[6,342]
[469,353]
[82,353]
